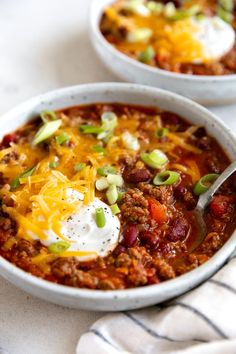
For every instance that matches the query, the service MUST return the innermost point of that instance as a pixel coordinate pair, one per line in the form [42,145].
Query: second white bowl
[207,90]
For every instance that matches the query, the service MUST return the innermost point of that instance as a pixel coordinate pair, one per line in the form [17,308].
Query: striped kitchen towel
[202,321]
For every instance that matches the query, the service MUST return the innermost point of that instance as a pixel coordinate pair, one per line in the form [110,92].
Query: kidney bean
[170,118]
[179,230]
[136,175]
[179,191]
[200,132]
[149,238]
[130,235]
[8,139]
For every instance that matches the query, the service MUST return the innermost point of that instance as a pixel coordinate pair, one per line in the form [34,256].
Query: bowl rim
[208,268]
[95,31]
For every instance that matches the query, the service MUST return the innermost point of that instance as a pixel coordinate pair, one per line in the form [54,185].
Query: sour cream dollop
[82,232]
[216,37]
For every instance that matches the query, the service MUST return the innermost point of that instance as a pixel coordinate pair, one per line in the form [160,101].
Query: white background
[44,44]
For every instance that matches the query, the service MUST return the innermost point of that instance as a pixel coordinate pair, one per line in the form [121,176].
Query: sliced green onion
[99,149]
[204,183]
[100,217]
[162,132]
[62,138]
[102,184]
[228,5]
[58,247]
[147,55]
[225,15]
[16,181]
[112,194]
[137,7]
[155,7]
[79,166]
[104,171]
[115,209]
[117,180]
[154,159]
[169,10]
[48,115]
[225,10]
[139,35]
[90,129]
[130,141]
[109,122]
[53,164]
[120,195]
[185,13]
[47,130]
[166,178]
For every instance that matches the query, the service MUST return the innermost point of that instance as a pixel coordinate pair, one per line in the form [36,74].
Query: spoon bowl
[204,200]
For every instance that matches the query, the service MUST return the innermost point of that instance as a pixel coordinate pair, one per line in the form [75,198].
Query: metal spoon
[206,198]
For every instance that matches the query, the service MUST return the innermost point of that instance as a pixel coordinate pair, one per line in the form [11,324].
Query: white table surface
[44,45]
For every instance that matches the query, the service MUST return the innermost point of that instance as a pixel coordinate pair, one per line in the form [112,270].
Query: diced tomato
[220,204]
[158,211]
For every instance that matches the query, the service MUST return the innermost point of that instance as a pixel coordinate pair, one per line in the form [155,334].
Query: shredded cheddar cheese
[173,40]
[40,203]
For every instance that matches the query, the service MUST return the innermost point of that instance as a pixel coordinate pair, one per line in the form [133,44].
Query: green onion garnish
[112,194]
[100,217]
[117,180]
[47,116]
[79,166]
[169,10]
[130,141]
[109,122]
[99,149]
[115,209]
[58,247]
[90,129]
[155,7]
[105,170]
[147,55]
[120,195]
[16,181]
[102,184]
[139,35]
[225,10]
[47,130]
[137,7]
[185,13]
[204,183]
[62,138]
[166,178]
[154,159]
[53,164]
[162,132]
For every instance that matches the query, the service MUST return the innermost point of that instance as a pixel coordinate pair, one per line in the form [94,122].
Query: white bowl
[123,93]
[207,90]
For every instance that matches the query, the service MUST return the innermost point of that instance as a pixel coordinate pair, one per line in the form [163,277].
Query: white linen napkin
[203,321]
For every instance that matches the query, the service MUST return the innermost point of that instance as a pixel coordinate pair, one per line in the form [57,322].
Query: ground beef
[163,194]
[63,267]
[212,243]
[134,206]
[163,269]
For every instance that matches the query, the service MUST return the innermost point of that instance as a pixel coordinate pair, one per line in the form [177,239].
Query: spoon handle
[206,197]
